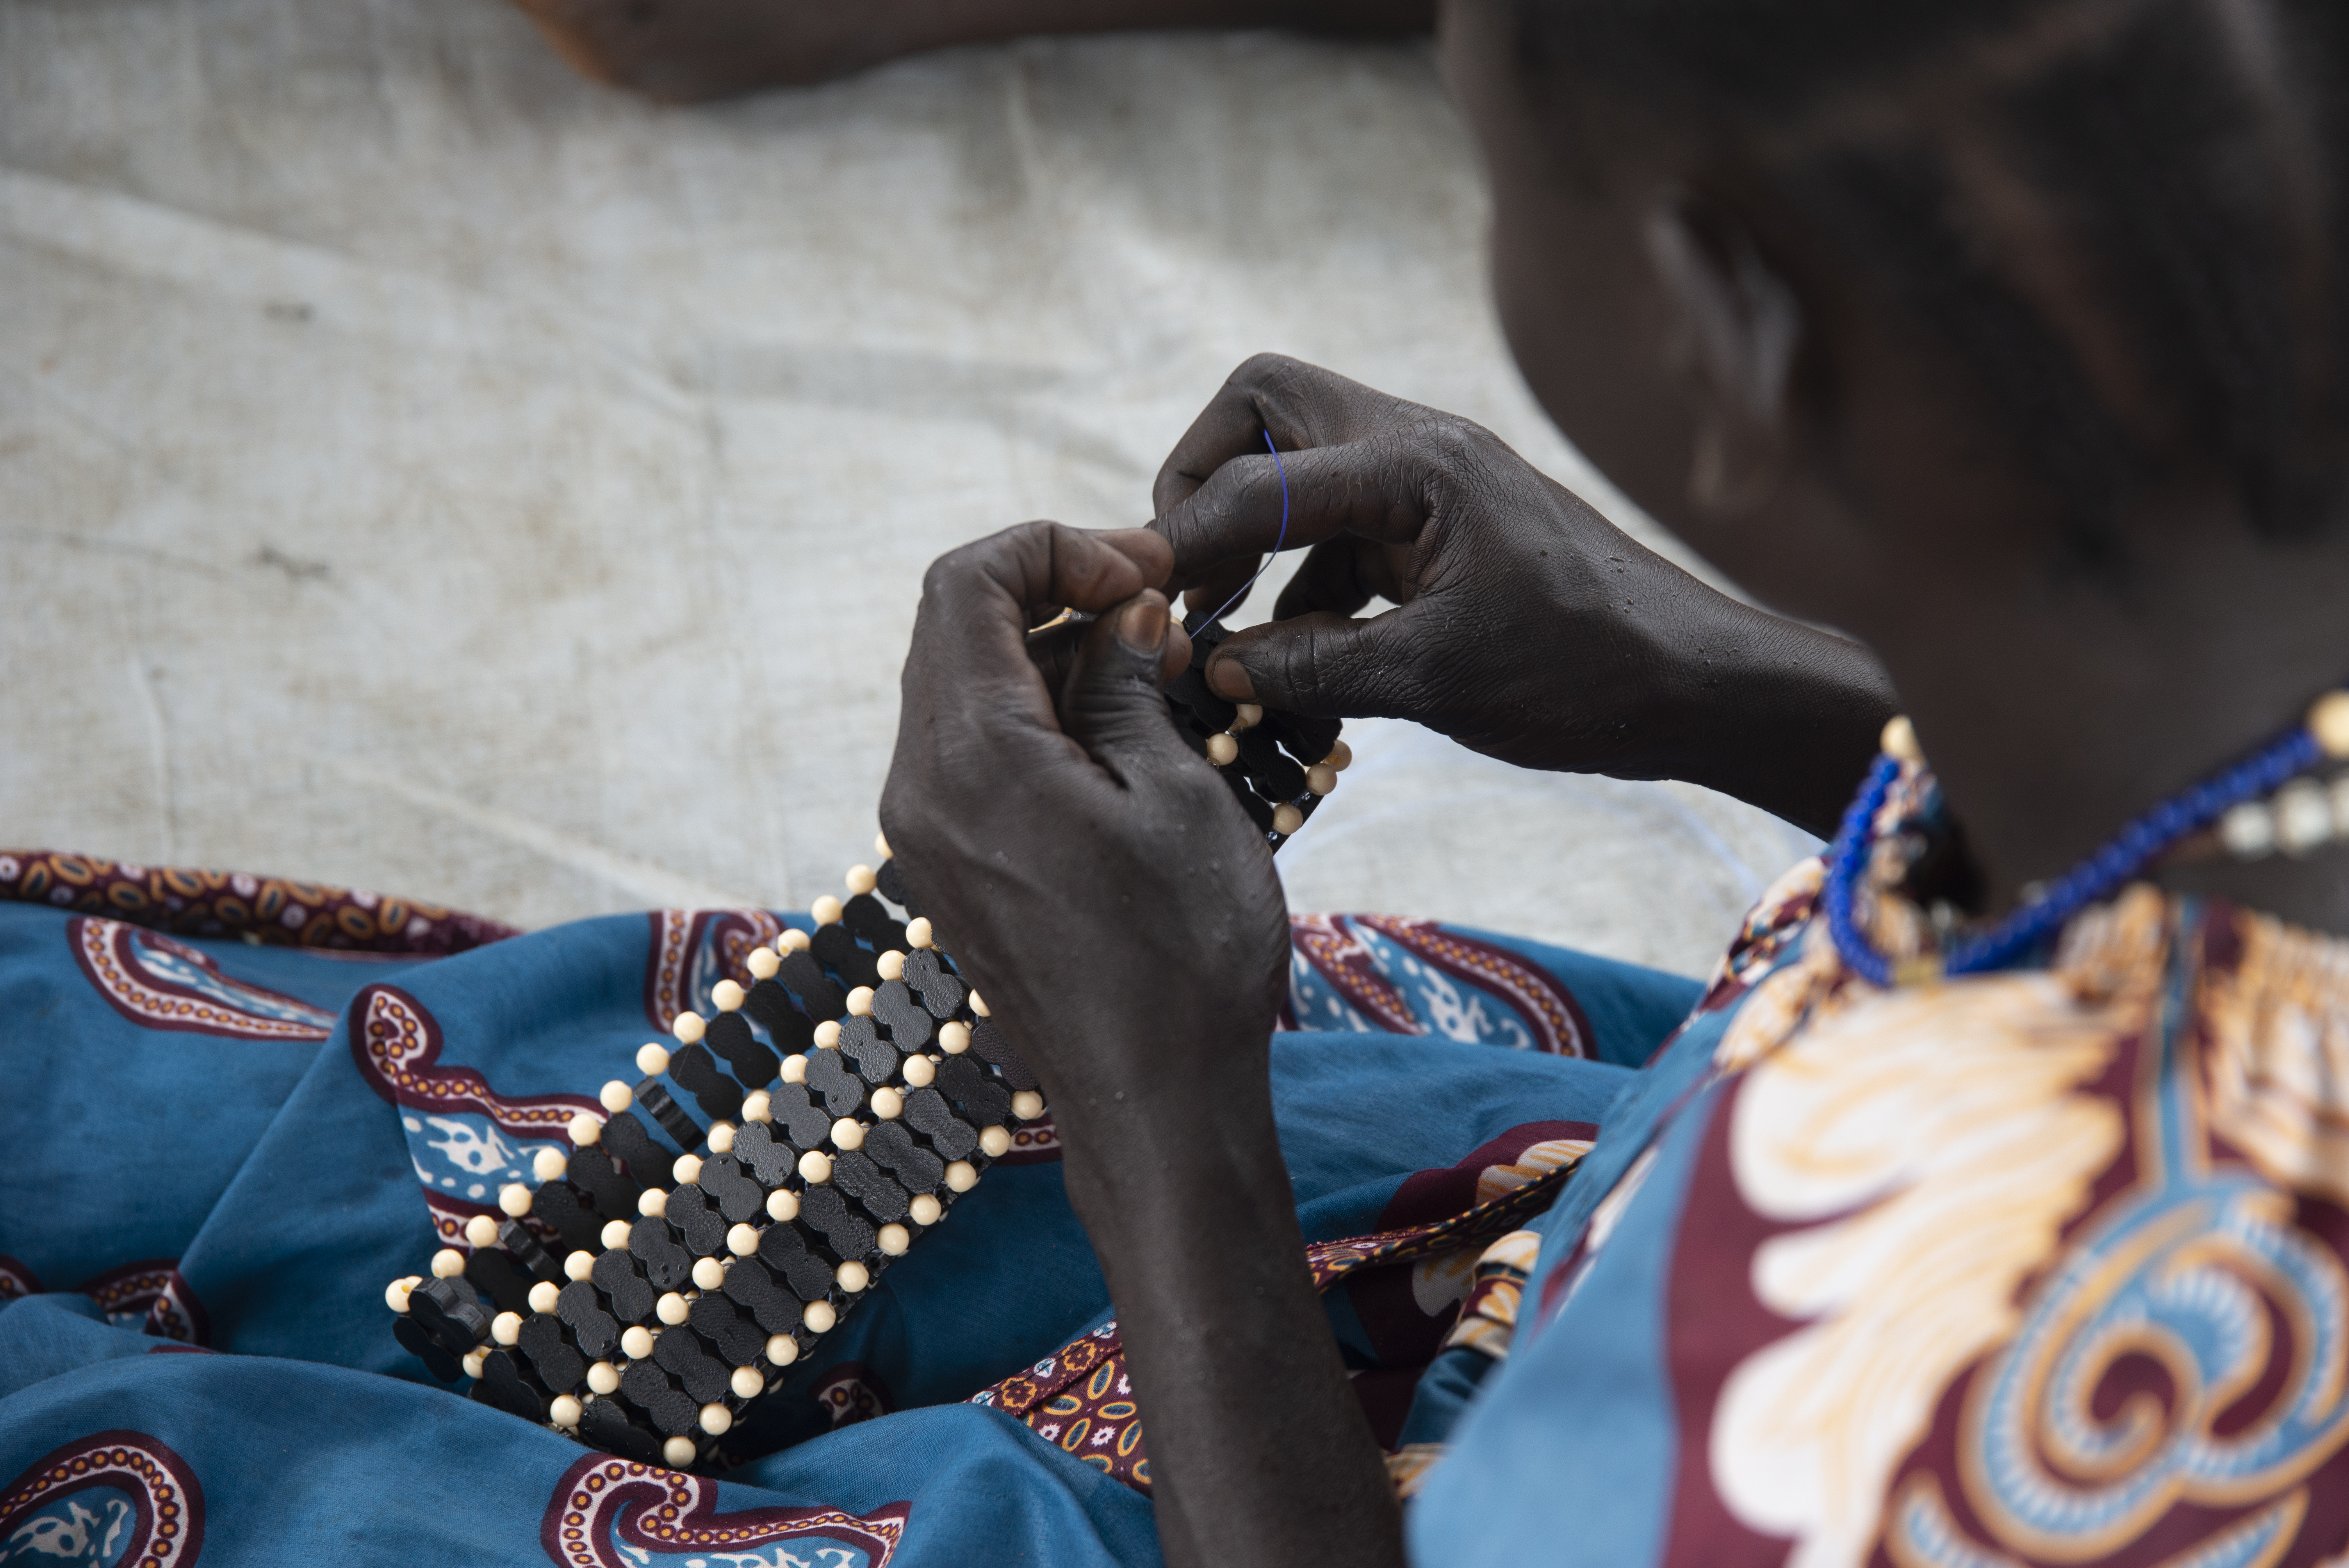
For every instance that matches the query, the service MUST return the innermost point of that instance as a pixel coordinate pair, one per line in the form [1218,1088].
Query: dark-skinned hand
[1118,911]
[1525,625]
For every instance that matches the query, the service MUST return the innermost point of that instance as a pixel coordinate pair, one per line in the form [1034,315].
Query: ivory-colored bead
[688,1027]
[476,1361]
[686,1167]
[860,1002]
[506,1328]
[564,1411]
[853,1277]
[860,879]
[764,963]
[881,845]
[819,1316]
[1247,715]
[549,1165]
[652,1202]
[827,1034]
[961,1176]
[615,1234]
[782,1350]
[721,1138]
[954,1037]
[815,1166]
[917,931]
[978,1005]
[2247,830]
[994,1142]
[926,1210]
[678,1452]
[671,1308]
[792,941]
[783,1203]
[2328,721]
[727,996]
[1898,740]
[541,1296]
[395,1295]
[1223,751]
[709,1274]
[653,1059]
[636,1342]
[447,1263]
[480,1231]
[603,1378]
[1027,1105]
[848,1133]
[2304,816]
[888,1105]
[794,1071]
[1340,756]
[742,1240]
[1287,818]
[1320,779]
[891,964]
[758,1107]
[578,1264]
[824,910]
[893,1239]
[515,1199]
[616,1097]
[584,1131]
[919,1071]
[749,1382]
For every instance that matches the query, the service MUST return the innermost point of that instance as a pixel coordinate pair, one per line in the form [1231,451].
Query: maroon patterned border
[397,1046]
[603,1508]
[1559,1027]
[274,910]
[17,1280]
[1345,962]
[108,952]
[168,1529]
[130,1289]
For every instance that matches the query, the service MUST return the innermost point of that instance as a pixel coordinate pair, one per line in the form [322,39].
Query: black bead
[819,998]
[715,1319]
[559,1367]
[941,990]
[669,1409]
[685,1357]
[927,1113]
[824,1211]
[891,883]
[617,1274]
[667,1265]
[729,1186]
[868,918]
[774,1011]
[662,1107]
[980,1098]
[783,1248]
[693,1068]
[498,1276]
[831,1081]
[624,1137]
[504,1386]
[448,1310]
[835,946]
[855,1174]
[605,1424]
[566,1208]
[593,1330]
[804,1120]
[523,1247]
[689,1214]
[1273,774]
[417,1343]
[730,1035]
[893,1148]
[987,1044]
[766,1155]
[750,1286]
[907,1021]
[615,1195]
[876,1059]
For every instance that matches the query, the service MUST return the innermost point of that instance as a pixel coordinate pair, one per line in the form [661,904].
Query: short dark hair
[2190,156]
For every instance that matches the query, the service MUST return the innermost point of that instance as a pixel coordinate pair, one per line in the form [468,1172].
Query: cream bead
[794,1071]
[860,1001]
[1223,751]
[678,1452]
[447,1263]
[792,941]
[584,1131]
[825,909]
[652,1202]
[603,1378]
[727,996]
[636,1342]
[758,1107]
[1340,756]
[888,1105]
[749,1382]
[742,1240]
[1898,740]
[2328,721]
[515,1199]
[578,1264]
[782,1350]
[671,1308]
[541,1296]
[721,1138]
[919,1071]
[815,1166]
[2247,830]
[549,1165]
[476,1361]
[564,1411]
[2304,816]
[893,1239]
[881,845]
[954,1037]
[1287,818]
[688,1027]
[926,1210]
[853,1277]
[1027,1105]
[395,1295]
[653,1058]
[615,1234]
[827,1034]
[994,1142]
[763,964]
[616,1097]
[1320,779]
[978,1005]
[862,879]
[506,1328]
[891,964]
[917,931]
[1246,716]
[848,1133]
[480,1231]
[709,1274]
[961,1176]
[783,1203]
[819,1316]
[686,1167]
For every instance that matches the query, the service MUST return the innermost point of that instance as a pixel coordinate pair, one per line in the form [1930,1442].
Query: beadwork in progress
[1279,765]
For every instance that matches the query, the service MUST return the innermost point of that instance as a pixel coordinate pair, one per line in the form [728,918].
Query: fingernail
[1142,626]
[1229,679]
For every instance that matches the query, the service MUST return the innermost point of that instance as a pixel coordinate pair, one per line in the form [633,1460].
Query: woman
[1980,1212]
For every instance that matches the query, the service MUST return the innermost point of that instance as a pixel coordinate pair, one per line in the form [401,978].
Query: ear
[1735,329]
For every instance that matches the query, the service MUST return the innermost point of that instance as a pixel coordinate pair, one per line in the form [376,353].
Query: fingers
[1330,578]
[1374,489]
[1113,700]
[1054,651]
[1324,665]
[1299,405]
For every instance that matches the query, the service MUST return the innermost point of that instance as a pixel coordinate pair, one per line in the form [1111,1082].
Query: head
[2010,335]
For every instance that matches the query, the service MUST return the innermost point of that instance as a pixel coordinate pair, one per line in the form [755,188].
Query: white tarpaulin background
[422,470]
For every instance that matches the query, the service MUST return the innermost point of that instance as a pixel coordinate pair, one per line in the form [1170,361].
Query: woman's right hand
[1527,626]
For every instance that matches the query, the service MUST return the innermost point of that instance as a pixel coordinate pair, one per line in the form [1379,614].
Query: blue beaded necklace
[2092,880]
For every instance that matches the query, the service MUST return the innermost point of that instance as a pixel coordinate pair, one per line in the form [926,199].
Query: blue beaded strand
[2095,879]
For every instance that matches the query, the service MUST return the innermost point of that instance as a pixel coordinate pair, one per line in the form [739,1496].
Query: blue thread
[1282,470]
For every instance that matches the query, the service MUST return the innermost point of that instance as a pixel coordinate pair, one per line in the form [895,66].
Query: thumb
[1325,665]
[1112,700]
